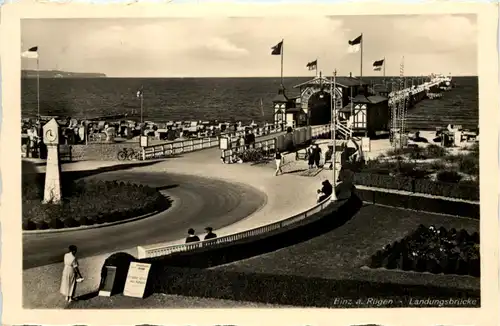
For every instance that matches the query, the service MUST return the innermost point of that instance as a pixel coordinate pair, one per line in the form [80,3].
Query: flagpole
[384,67]
[361,63]
[333,107]
[38,86]
[142,100]
[282,50]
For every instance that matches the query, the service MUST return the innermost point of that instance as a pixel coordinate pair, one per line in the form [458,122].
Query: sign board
[144,141]
[51,132]
[108,281]
[137,279]
[365,144]
[223,143]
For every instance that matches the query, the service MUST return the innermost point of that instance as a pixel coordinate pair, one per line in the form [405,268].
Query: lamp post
[333,127]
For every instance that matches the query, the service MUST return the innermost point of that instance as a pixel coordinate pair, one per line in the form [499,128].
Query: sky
[241,47]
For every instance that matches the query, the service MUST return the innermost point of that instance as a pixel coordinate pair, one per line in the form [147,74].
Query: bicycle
[128,154]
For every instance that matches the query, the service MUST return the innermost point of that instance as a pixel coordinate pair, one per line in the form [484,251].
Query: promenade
[287,195]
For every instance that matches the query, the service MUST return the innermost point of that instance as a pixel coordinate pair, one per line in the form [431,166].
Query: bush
[85,221]
[71,223]
[448,176]
[451,190]
[434,251]
[41,225]
[87,202]
[435,151]
[56,223]
[383,181]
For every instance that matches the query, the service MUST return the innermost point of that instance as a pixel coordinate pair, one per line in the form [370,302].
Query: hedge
[88,203]
[416,185]
[432,250]
[292,289]
[421,203]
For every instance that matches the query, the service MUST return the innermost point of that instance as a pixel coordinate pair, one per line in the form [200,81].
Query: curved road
[198,202]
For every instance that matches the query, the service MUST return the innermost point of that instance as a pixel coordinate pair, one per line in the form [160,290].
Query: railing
[267,146]
[190,145]
[162,250]
[344,130]
[231,155]
[397,96]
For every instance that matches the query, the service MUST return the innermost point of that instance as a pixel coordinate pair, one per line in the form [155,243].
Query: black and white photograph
[261,161]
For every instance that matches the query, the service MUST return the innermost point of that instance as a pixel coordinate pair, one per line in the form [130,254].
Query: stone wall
[103,152]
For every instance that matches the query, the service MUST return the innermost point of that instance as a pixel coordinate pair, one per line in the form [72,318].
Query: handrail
[267,145]
[161,250]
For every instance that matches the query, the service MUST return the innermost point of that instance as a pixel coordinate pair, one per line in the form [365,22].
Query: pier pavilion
[367,113]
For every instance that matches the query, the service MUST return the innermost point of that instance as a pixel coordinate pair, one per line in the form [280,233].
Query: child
[319,196]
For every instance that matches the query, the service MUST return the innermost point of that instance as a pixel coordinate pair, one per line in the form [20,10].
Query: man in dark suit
[191,236]
[210,234]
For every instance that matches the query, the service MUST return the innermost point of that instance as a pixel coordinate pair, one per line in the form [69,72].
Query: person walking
[310,156]
[316,155]
[70,275]
[192,237]
[210,234]
[279,162]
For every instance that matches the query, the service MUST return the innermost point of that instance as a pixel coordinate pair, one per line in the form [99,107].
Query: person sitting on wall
[327,189]
[210,234]
[320,196]
[192,237]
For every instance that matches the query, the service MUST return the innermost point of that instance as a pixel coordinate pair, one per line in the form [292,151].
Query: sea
[223,99]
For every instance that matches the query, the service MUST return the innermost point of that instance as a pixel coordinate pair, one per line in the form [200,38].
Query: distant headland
[59,74]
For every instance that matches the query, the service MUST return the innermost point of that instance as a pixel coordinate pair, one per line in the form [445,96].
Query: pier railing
[164,250]
[301,135]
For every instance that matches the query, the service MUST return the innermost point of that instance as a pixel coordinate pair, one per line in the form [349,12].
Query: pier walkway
[416,93]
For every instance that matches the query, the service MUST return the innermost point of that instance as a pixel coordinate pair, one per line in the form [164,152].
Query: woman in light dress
[70,275]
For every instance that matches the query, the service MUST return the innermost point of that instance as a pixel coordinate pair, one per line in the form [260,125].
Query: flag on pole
[377,65]
[355,45]
[32,53]
[140,92]
[312,65]
[277,48]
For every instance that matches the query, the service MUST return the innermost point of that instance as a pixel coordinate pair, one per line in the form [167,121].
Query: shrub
[29,225]
[71,223]
[448,176]
[85,221]
[469,164]
[88,202]
[56,223]
[434,251]
[435,151]
[383,181]
[42,225]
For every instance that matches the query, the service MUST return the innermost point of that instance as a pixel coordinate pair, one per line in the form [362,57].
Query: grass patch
[432,250]
[87,203]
